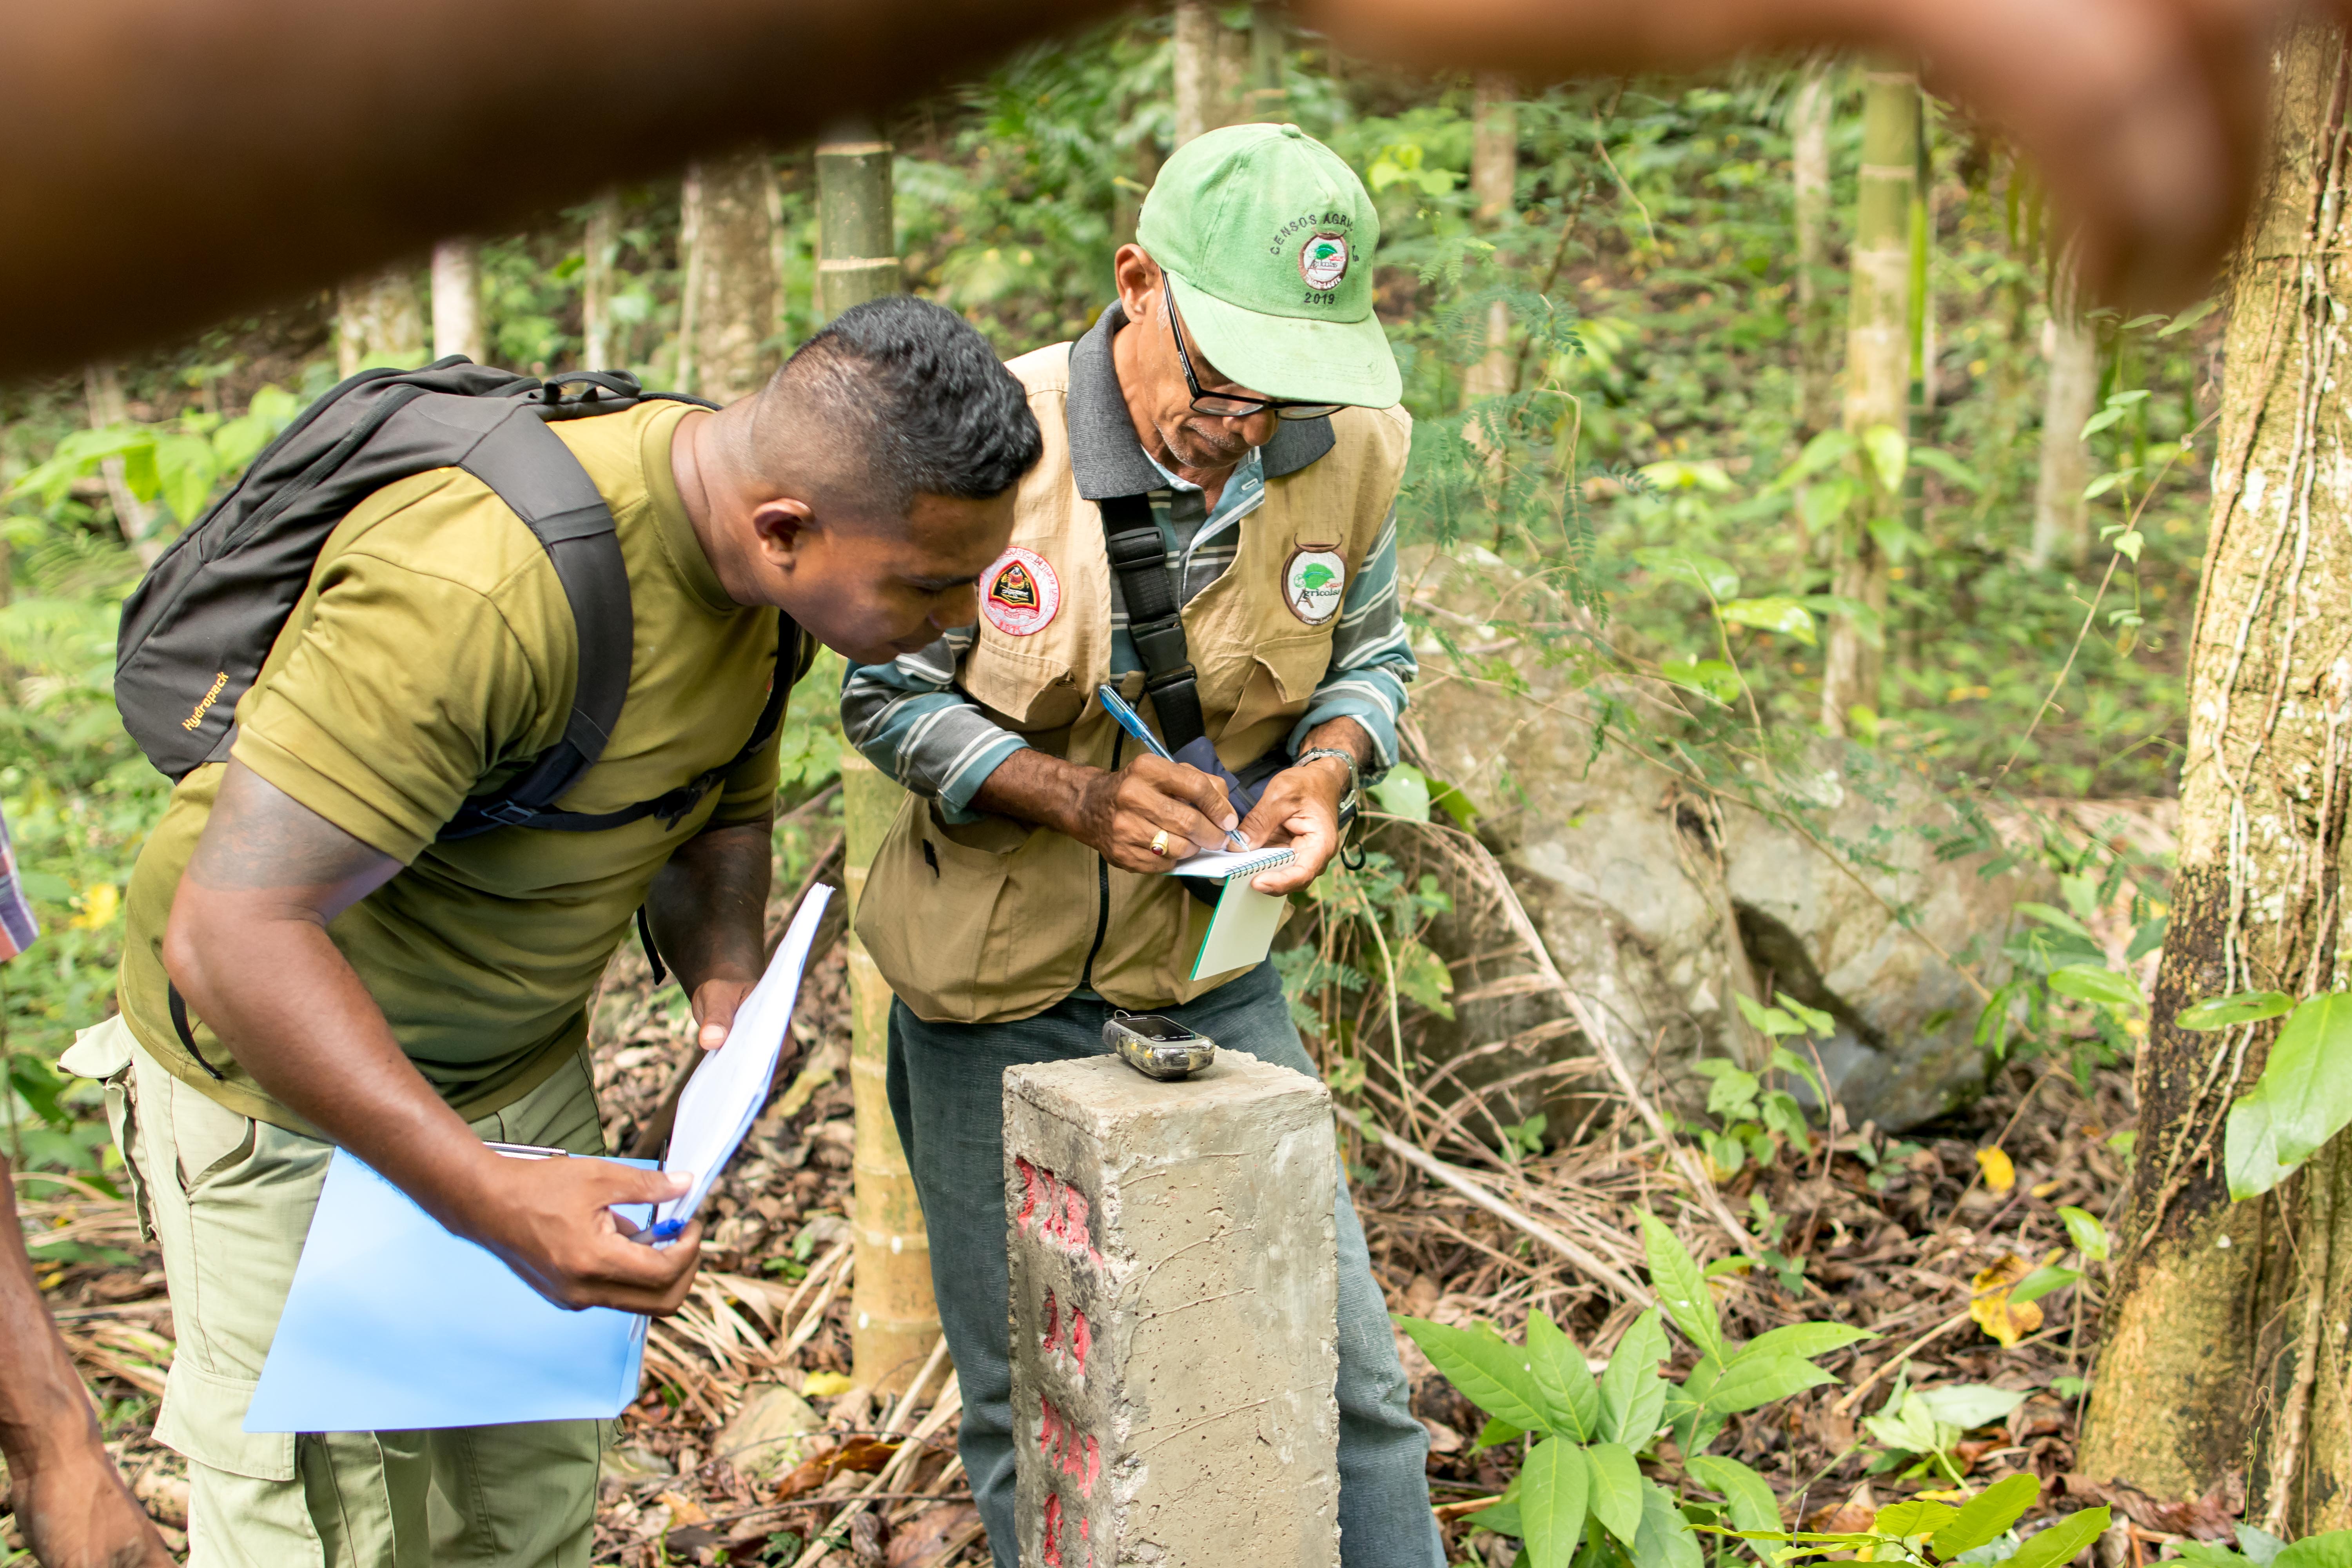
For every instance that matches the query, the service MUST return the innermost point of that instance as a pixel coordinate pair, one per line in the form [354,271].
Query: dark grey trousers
[947,1094]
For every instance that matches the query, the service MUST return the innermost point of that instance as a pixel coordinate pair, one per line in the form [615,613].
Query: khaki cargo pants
[230,1200]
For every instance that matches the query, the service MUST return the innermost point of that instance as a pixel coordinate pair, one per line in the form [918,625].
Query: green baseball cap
[1268,237]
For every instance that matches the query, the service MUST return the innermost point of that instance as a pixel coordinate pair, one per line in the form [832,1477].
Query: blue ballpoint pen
[1132,722]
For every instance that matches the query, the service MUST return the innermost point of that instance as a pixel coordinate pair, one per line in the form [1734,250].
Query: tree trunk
[1809,132]
[457,301]
[1879,344]
[1494,182]
[1197,29]
[895,1318]
[2225,1329]
[729,317]
[1268,98]
[600,248]
[857,240]
[2062,519]
[380,321]
[102,388]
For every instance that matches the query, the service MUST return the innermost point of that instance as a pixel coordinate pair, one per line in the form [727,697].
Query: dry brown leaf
[1848,1518]
[684,1509]
[1989,1303]
[864,1455]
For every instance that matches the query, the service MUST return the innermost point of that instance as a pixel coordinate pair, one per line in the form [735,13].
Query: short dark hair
[920,390]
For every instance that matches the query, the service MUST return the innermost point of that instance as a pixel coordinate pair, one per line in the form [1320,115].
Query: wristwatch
[1353,800]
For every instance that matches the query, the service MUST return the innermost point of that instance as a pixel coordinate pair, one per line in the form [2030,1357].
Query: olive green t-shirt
[433,656]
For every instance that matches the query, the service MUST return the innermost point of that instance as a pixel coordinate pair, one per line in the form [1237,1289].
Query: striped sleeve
[908,719]
[1371,658]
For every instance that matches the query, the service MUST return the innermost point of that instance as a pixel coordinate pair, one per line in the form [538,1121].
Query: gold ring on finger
[1160,844]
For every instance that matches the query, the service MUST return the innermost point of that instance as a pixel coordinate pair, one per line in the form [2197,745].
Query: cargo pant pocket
[103,1052]
[203,1420]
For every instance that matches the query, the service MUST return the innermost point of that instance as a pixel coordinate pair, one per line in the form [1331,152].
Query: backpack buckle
[508,813]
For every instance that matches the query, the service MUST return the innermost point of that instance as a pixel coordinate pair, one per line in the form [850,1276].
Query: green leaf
[2082,1227]
[1632,1395]
[2330,1549]
[1664,1539]
[1570,1396]
[1753,1506]
[2188,317]
[1709,574]
[1951,468]
[1423,978]
[1987,1515]
[1819,1022]
[1492,1374]
[1616,1497]
[2128,543]
[2259,1545]
[1830,447]
[185,469]
[2303,1098]
[2061,1540]
[1553,1486]
[1503,1518]
[1904,1520]
[1777,614]
[1733,1092]
[2094,983]
[1789,1061]
[2055,918]
[1890,454]
[2100,421]
[2228,1012]
[1767,1021]
[1682,1290]
[2106,482]
[2041,1282]
[1495,1434]
[1968,1406]
[1805,1340]
[1711,677]
[1404,793]
[1752,1381]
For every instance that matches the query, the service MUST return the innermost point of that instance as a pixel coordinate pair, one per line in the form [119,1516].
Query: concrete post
[1175,1302]
[894,1319]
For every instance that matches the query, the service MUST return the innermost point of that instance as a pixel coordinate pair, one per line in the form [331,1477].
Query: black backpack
[197,629]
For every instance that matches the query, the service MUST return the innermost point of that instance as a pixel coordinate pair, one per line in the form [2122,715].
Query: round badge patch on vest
[1312,584]
[1019,593]
[1323,260]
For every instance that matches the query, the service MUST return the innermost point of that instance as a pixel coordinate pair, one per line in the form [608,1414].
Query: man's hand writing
[1121,813]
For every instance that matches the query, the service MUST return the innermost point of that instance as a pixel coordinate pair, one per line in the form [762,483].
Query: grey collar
[1105,456]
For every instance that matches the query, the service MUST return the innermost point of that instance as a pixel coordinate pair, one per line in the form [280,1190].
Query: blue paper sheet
[395,1324]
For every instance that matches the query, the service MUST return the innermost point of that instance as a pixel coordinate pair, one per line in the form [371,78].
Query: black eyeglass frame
[1235,407]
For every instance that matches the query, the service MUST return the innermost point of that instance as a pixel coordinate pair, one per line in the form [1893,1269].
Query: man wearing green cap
[1210,531]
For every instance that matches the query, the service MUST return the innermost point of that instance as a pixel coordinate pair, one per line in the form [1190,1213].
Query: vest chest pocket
[1282,675]
[1028,691]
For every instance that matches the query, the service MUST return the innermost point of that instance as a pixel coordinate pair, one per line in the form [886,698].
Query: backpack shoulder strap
[535,474]
[1154,619]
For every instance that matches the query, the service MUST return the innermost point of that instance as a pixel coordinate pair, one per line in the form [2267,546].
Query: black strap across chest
[1155,618]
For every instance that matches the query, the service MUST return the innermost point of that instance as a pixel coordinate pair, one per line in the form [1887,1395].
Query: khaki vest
[997,919]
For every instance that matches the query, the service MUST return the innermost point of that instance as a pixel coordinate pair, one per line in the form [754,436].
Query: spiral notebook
[1242,926]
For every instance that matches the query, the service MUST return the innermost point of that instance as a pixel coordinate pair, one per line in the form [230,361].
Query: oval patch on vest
[1312,584]
[1019,593]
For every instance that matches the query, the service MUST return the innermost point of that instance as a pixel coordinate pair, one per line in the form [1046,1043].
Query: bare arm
[1118,813]
[69,1500]
[707,907]
[247,946]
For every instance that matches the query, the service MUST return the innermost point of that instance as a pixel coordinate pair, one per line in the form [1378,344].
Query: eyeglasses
[1225,404]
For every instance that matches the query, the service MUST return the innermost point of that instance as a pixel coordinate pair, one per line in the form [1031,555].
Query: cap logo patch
[1312,582]
[1019,593]
[1323,259]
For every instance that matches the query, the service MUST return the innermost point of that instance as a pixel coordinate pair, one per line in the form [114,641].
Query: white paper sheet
[725,1094]
[1222,863]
